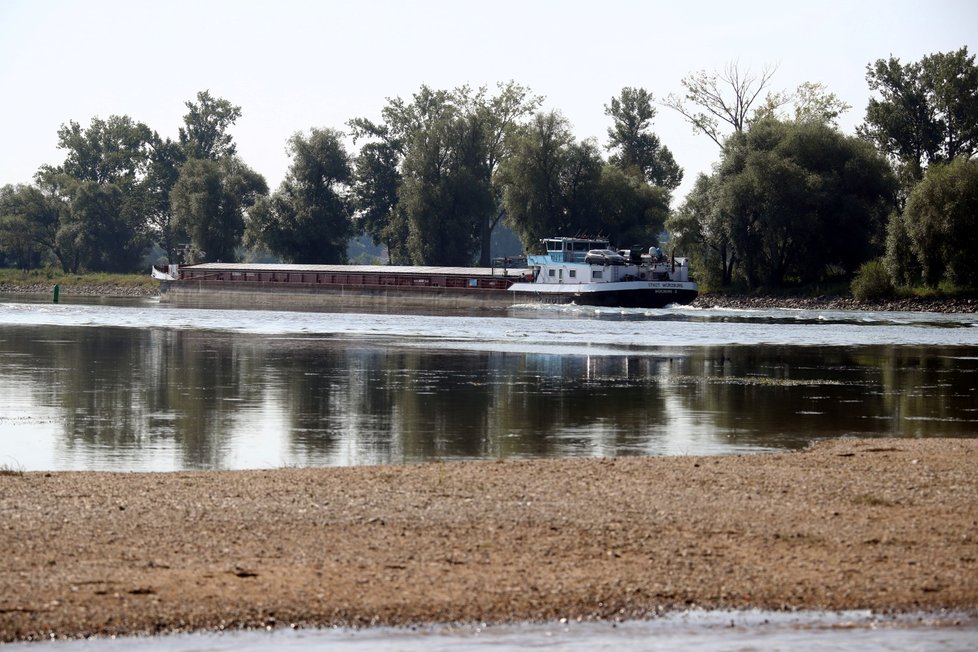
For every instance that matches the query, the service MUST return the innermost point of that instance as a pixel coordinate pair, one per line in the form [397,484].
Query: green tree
[900,259]
[742,208]
[29,221]
[790,202]
[308,219]
[702,230]
[633,144]
[427,152]
[632,212]
[941,227]
[201,189]
[926,112]
[206,124]
[499,118]
[164,170]
[823,200]
[953,78]
[872,281]
[444,192]
[102,185]
[533,178]
[813,103]
[376,178]
[433,161]
[555,186]
[580,188]
[209,202]
[116,150]
[106,227]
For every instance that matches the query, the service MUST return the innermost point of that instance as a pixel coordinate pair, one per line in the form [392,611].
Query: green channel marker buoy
[57,291]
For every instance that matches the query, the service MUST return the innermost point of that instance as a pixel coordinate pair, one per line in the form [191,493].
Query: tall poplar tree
[924,112]
[634,145]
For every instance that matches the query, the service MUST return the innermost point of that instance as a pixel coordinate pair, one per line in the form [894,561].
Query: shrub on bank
[872,282]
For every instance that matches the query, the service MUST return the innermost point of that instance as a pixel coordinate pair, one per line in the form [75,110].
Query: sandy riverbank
[881,524]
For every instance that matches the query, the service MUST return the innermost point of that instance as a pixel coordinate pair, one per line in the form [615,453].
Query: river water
[139,385]
[712,631]
[135,385]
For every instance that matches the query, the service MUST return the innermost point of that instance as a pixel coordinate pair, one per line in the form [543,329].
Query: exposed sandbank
[850,524]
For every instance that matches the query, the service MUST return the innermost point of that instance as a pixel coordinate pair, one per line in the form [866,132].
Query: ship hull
[635,294]
[204,294]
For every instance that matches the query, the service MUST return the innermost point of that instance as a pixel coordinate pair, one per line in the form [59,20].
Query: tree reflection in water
[116,398]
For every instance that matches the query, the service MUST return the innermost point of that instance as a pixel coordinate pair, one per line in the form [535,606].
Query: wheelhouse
[572,250]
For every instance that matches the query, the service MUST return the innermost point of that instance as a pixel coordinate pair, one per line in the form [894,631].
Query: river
[135,385]
[139,386]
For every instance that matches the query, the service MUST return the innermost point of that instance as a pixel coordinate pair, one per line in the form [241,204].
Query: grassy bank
[96,283]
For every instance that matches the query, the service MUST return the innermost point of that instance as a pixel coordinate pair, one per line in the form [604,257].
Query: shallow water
[709,631]
[142,386]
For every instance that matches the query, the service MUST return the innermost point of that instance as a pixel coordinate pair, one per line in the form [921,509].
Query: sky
[293,65]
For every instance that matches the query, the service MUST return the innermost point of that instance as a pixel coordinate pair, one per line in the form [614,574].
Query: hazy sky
[293,65]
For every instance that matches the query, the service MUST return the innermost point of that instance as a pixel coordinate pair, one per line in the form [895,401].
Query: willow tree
[425,176]
[939,228]
[790,202]
[29,222]
[701,228]
[102,183]
[209,201]
[308,219]
[535,179]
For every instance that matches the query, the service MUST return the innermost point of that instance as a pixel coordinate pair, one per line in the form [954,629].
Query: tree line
[790,200]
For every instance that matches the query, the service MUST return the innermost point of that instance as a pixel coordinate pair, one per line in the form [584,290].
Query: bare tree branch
[713,99]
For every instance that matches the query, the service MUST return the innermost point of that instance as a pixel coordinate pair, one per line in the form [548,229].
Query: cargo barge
[580,271]
[336,286]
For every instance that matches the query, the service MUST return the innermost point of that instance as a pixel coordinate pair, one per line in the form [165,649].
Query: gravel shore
[912,304]
[886,524]
[88,290]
